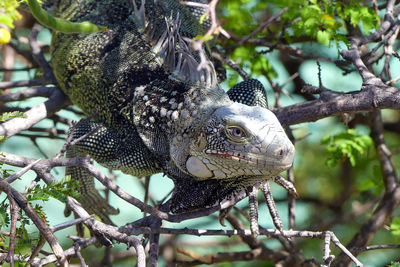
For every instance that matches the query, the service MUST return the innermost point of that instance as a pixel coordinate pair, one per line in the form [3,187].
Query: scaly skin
[159,114]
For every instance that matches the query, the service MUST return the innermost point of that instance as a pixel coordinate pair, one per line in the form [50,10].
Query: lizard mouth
[252,159]
[234,157]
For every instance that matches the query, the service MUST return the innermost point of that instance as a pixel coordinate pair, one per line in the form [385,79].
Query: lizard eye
[236,133]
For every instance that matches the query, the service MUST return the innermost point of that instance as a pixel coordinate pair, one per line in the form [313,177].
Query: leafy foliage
[10,115]
[8,15]
[322,20]
[58,190]
[25,241]
[4,219]
[239,15]
[327,20]
[3,171]
[239,19]
[348,144]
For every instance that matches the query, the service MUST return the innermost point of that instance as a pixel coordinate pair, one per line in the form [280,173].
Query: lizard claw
[223,213]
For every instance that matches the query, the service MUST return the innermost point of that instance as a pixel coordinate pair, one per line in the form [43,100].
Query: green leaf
[394,264]
[366,185]
[58,190]
[10,115]
[25,242]
[39,211]
[262,66]
[324,37]
[395,226]
[203,37]
[233,79]
[9,13]
[311,22]
[242,53]
[38,196]
[354,17]
[7,20]
[4,217]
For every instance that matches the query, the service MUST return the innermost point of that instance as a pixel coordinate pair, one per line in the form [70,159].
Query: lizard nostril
[281,152]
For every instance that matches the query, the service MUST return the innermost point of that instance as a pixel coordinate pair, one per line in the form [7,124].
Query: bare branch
[335,104]
[69,252]
[13,84]
[21,172]
[13,230]
[56,101]
[38,55]
[65,225]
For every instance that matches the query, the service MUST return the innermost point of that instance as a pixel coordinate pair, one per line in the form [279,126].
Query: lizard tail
[91,200]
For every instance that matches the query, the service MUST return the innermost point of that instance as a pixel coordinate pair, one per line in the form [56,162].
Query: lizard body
[156,111]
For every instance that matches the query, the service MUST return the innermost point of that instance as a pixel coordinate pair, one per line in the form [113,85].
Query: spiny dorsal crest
[174,50]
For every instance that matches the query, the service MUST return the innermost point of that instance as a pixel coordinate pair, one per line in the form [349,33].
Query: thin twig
[27,93]
[36,250]
[65,225]
[13,229]
[21,172]
[24,83]
[38,55]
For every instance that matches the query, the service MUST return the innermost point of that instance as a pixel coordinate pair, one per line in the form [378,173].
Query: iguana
[156,111]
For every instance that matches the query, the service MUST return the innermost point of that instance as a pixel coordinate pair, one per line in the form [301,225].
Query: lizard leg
[112,149]
[91,200]
[265,188]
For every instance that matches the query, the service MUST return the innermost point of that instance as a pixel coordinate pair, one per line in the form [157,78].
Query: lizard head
[240,140]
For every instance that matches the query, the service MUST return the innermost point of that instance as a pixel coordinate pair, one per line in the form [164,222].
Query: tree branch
[368,99]
[56,101]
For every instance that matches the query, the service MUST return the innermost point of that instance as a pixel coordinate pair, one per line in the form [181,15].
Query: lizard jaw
[255,160]
[198,168]
[217,165]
